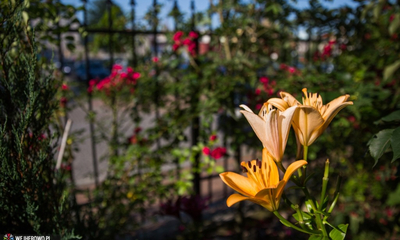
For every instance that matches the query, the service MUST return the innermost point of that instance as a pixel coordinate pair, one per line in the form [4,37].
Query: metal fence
[134,33]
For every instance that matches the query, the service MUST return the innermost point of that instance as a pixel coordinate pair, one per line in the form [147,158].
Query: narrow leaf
[395,141]
[394,116]
[315,237]
[379,144]
[339,235]
[390,70]
[395,24]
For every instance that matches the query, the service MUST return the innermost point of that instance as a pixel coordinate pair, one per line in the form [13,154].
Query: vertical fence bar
[225,144]
[134,57]
[110,28]
[155,46]
[195,131]
[175,11]
[89,95]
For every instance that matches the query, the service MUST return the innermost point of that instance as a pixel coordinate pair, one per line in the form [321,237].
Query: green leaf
[316,237]
[394,197]
[394,116]
[379,143]
[339,235]
[390,70]
[395,141]
[395,24]
[309,206]
[306,217]
[286,224]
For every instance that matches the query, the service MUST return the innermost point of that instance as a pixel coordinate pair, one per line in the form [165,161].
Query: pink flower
[218,152]
[258,106]
[292,69]
[177,36]
[116,67]
[175,47]
[258,91]
[206,151]
[264,80]
[155,59]
[187,41]
[136,75]
[213,137]
[64,87]
[193,35]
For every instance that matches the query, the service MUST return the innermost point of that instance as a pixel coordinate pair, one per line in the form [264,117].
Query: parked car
[97,69]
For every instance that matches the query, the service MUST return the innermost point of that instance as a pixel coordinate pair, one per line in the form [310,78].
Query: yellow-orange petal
[289,172]
[239,183]
[257,123]
[307,120]
[234,198]
[292,168]
[278,103]
[291,101]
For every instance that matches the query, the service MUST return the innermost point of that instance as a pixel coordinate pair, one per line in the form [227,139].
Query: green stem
[318,219]
[287,223]
[305,152]
[325,180]
[300,215]
[281,167]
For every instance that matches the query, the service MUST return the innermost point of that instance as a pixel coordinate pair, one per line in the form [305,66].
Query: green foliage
[34,198]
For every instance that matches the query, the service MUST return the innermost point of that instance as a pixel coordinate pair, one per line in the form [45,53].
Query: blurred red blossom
[213,137]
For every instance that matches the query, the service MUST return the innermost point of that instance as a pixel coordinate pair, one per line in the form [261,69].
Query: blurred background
[131,110]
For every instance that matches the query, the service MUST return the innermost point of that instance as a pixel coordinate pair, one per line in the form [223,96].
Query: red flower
[138,130]
[175,47]
[116,67]
[206,151]
[213,137]
[283,66]
[258,91]
[292,69]
[218,153]
[155,59]
[187,41]
[193,35]
[264,80]
[258,106]
[64,87]
[177,36]
[63,101]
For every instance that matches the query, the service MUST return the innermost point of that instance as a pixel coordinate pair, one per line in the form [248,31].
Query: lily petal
[273,138]
[234,198]
[309,120]
[257,123]
[239,183]
[285,119]
[291,101]
[278,103]
[289,172]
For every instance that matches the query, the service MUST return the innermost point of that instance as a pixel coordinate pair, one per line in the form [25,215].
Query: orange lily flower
[262,185]
[313,117]
[272,127]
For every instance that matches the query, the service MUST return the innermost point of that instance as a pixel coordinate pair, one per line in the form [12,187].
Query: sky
[142,6]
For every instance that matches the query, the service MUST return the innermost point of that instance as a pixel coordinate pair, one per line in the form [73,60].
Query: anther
[259,163]
[254,168]
[249,163]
